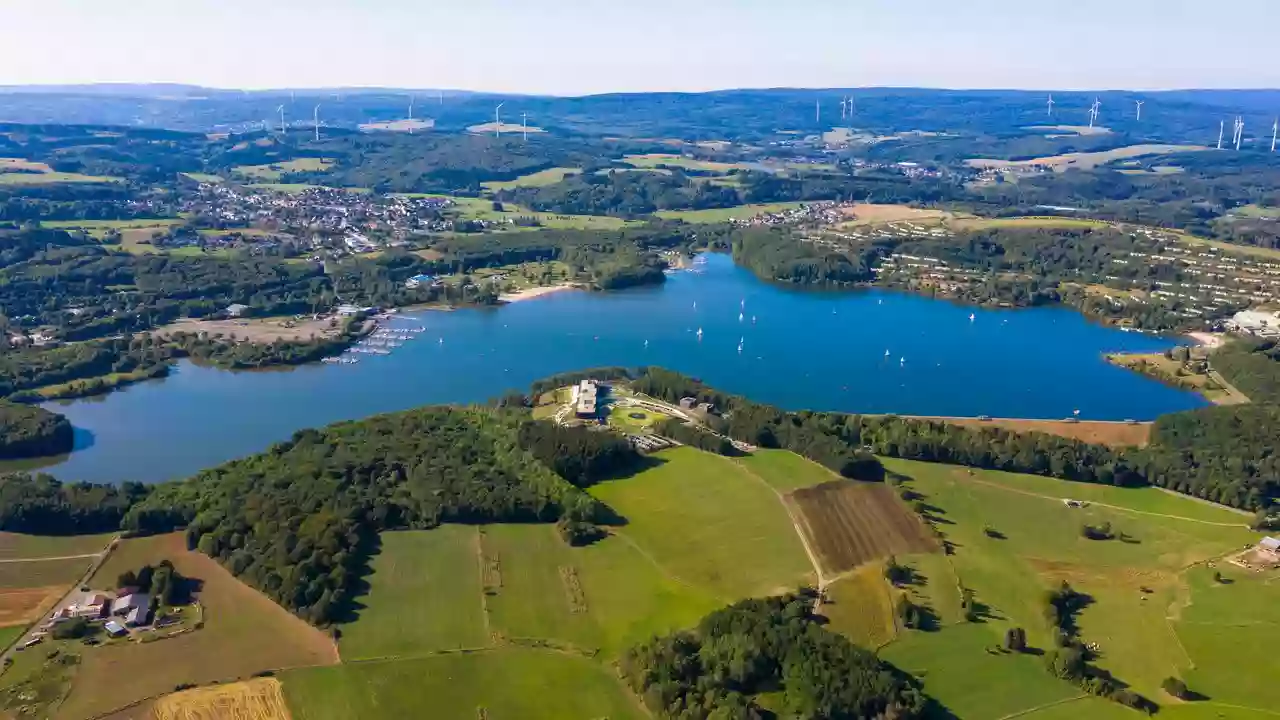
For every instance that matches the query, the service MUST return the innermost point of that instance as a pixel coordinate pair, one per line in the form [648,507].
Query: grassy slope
[542,178]
[718,215]
[699,516]
[785,471]
[1042,547]
[42,573]
[509,683]
[426,596]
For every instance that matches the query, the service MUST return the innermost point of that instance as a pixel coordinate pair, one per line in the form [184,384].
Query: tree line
[773,645]
[32,432]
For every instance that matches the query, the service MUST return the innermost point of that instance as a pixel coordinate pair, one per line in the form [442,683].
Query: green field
[719,215]
[1141,617]
[205,177]
[425,596]
[274,171]
[42,573]
[16,545]
[542,178]
[482,209]
[98,228]
[500,684]
[699,516]
[785,471]
[860,607]
[621,418]
[52,178]
[653,160]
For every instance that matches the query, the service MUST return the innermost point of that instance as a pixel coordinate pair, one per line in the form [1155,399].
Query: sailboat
[902,361]
[753,319]
[646,343]
[886,353]
[743,304]
[695,304]
[739,317]
[971,317]
[699,333]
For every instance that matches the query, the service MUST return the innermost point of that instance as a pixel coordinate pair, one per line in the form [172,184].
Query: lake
[863,351]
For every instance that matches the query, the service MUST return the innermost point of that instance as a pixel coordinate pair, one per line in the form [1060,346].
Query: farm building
[688,403]
[93,605]
[138,616]
[1270,544]
[126,603]
[114,628]
[236,310]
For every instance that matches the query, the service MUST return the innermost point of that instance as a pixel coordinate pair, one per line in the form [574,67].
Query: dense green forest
[1253,368]
[39,504]
[773,645]
[776,254]
[32,432]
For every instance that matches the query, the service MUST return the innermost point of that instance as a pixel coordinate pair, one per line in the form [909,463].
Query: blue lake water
[800,349]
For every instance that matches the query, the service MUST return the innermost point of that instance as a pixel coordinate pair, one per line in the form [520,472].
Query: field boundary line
[800,524]
[1045,706]
[988,483]
[59,557]
[484,598]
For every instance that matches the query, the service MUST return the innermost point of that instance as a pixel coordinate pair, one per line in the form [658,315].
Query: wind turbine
[524,125]
[497,122]
[1275,128]
[410,114]
[1139,103]
[1239,131]
[1050,104]
[817,111]
[1093,112]
[1222,127]
[281,111]
[316,119]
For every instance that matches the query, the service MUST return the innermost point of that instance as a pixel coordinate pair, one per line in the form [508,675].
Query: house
[114,628]
[127,603]
[418,281]
[688,403]
[93,605]
[706,408]
[236,310]
[138,616]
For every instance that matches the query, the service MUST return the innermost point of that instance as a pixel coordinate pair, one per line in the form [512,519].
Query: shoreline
[534,293]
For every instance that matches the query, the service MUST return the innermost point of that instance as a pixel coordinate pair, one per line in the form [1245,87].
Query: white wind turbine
[410,114]
[1140,103]
[1275,128]
[1222,127]
[497,121]
[524,125]
[1050,104]
[316,119]
[1093,112]
[281,111]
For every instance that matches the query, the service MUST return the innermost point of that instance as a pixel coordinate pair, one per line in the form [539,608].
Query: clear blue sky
[587,46]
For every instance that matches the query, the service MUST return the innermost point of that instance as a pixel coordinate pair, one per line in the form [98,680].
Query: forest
[39,504]
[773,645]
[298,521]
[32,432]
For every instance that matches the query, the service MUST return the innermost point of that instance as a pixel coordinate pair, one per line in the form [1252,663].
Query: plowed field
[849,523]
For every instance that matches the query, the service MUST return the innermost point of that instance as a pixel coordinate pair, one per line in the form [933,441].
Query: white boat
[972,317]
[739,317]
[886,353]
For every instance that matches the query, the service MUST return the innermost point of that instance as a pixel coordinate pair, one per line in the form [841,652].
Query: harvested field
[257,699]
[22,574]
[875,214]
[1113,434]
[25,604]
[259,330]
[15,546]
[849,523]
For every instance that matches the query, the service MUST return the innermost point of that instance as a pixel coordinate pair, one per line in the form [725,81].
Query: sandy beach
[531,293]
[1209,340]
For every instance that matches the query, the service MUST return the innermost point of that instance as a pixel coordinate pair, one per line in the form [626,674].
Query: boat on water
[972,316]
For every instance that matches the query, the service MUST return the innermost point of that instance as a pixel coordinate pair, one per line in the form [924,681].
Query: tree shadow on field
[349,610]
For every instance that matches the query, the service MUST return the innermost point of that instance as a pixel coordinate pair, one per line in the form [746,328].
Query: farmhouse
[1270,545]
[127,603]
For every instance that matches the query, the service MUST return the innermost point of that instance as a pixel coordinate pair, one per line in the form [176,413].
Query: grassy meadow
[501,684]
[425,596]
[1155,611]
[274,171]
[719,215]
[16,545]
[784,471]
[542,178]
[697,515]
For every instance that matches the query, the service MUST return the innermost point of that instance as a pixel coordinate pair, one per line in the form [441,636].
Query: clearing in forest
[424,596]
[257,699]
[274,171]
[849,523]
[542,178]
[710,524]
[719,215]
